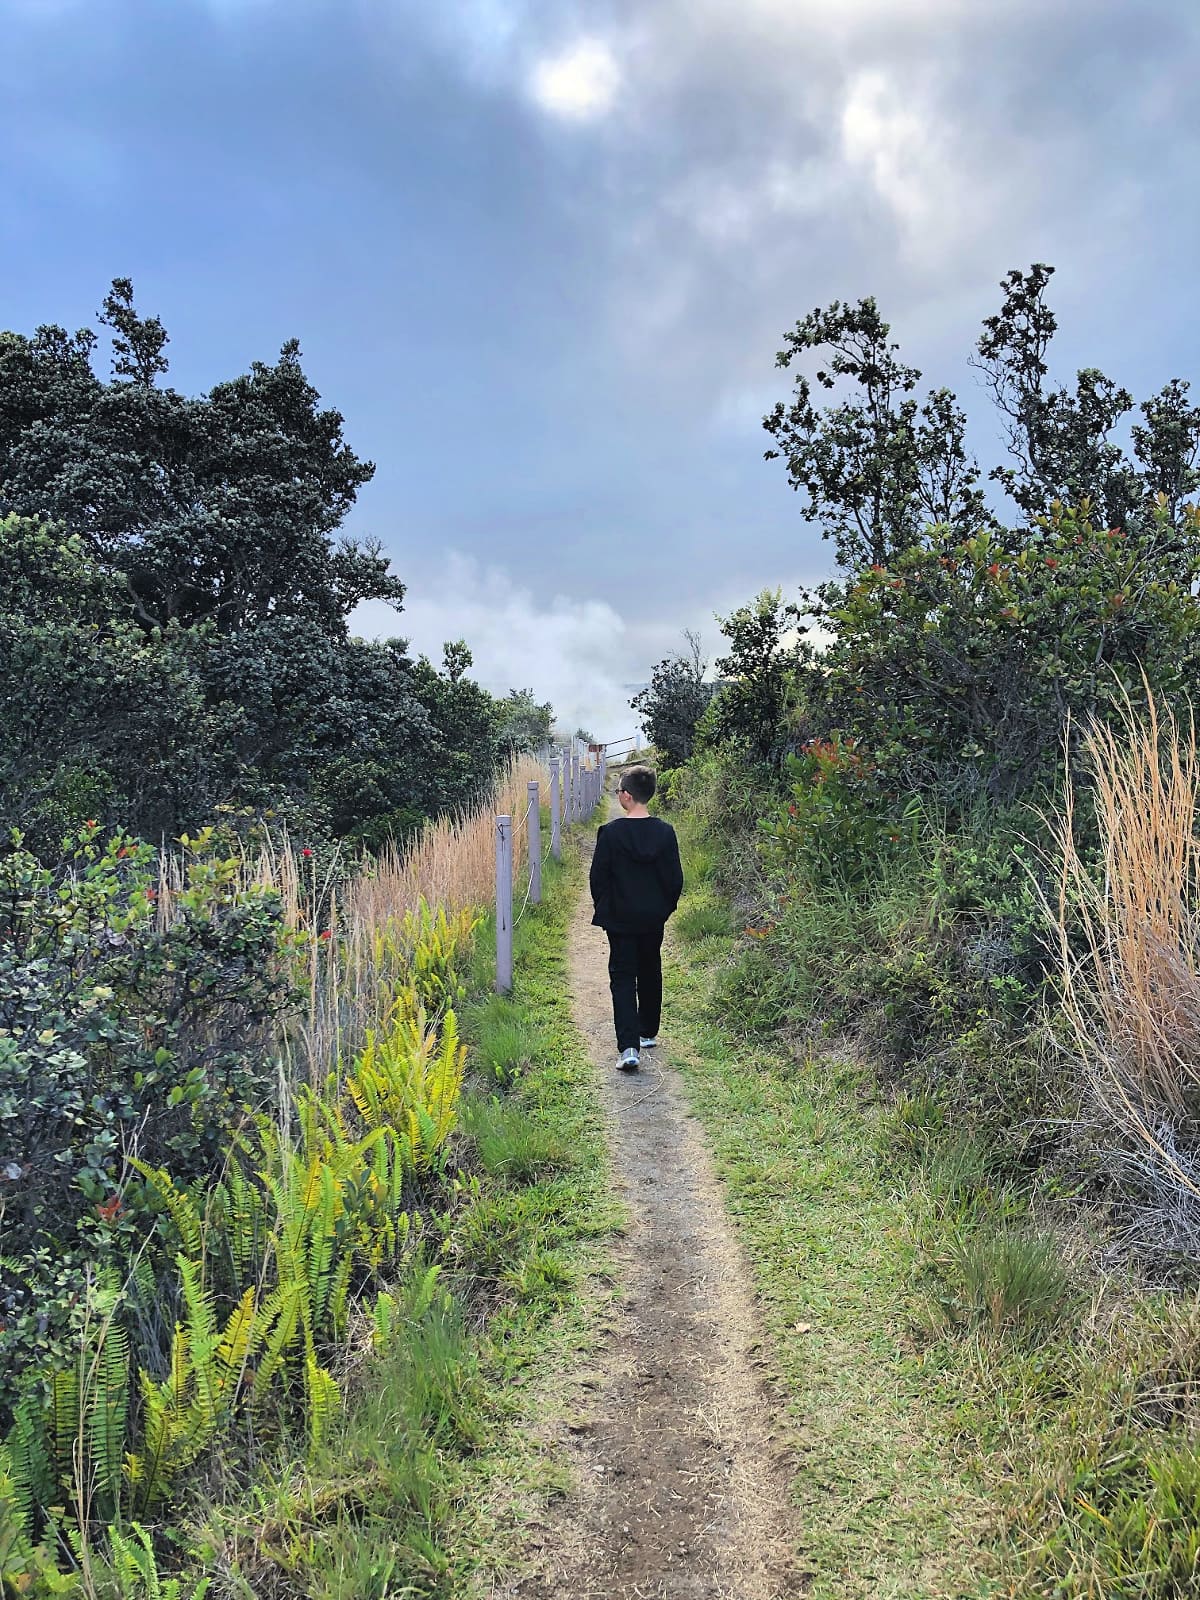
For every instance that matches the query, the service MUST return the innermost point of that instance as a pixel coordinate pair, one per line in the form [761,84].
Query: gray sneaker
[649,1044]
[629,1061]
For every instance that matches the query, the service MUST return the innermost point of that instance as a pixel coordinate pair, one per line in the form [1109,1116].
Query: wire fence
[575,776]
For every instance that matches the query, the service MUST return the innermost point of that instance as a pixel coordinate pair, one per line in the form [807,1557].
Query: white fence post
[556,808]
[535,845]
[504,903]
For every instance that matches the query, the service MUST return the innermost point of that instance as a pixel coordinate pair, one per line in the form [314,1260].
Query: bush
[123,1036]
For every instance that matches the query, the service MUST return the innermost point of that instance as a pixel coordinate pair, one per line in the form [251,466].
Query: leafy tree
[99,717]
[218,508]
[878,465]
[175,606]
[759,673]
[674,701]
[465,746]
[525,722]
[1061,441]
[962,664]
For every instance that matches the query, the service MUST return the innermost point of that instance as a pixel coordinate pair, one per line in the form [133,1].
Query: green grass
[974,1414]
[886,1507]
[419,1490]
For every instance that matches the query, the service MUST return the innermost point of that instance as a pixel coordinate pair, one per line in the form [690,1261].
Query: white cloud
[893,138]
[580,84]
[575,653]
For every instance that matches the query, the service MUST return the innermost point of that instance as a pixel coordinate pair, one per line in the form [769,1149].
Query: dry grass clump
[452,863]
[342,920]
[1129,953]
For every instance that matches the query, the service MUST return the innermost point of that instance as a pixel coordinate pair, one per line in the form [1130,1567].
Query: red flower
[1051,562]
[151,894]
[994,570]
[306,851]
[325,933]
[110,1210]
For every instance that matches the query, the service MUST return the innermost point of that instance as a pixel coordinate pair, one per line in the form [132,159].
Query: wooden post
[556,808]
[535,846]
[504,907]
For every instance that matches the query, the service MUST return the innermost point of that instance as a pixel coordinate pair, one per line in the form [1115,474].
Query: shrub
[122,1036]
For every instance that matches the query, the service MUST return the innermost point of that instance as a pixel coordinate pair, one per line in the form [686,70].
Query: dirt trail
[680,1487]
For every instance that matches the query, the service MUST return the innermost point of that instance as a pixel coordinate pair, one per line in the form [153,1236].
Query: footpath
[680,1486]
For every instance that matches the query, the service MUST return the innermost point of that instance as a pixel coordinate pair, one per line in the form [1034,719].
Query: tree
[878,466]
[672,704]
[963,664]
[221,508]
[525,723]
[174,620]
[97,718]
[759,672]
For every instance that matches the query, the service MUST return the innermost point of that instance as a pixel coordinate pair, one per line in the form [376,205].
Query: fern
[180,1206]
[183,1413]
[135,1568]
[324,1400]
[107,1407]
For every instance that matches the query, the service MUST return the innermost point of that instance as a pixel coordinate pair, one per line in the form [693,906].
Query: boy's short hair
[640,783]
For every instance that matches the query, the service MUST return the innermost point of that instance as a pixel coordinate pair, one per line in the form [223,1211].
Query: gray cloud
[541,252]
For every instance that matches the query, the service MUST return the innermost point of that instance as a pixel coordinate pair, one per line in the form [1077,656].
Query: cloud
[574,653]
[896,140]
[578,85]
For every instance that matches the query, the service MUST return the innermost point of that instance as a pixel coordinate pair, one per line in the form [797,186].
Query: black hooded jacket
[636,874]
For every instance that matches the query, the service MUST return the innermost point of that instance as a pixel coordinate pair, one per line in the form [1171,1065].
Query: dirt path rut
[679,1484]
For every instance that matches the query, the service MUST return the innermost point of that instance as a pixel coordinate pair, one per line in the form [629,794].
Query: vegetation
[176,604]
[261,1267]
[960,835]
[271,1211]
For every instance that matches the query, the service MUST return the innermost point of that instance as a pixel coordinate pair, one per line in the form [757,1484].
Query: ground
[679,1481]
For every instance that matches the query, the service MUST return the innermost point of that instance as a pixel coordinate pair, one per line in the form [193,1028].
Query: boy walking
[636,881]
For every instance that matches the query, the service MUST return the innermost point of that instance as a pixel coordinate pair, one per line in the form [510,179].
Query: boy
[636,882]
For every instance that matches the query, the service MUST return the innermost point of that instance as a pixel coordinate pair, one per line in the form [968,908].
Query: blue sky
[540,254]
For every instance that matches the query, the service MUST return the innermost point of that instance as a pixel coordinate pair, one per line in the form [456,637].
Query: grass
[885,1508]
[419,1491]
[969,1420]
[1129,955]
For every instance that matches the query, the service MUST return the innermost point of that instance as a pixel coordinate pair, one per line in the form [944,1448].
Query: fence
[576,784]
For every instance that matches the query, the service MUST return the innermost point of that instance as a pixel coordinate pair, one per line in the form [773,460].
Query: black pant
[635,977]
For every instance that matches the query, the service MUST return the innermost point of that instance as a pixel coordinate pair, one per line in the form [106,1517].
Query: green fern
[183,1413]
[107,1407]
[135,1569]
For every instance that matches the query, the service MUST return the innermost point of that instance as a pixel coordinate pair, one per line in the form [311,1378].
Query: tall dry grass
[1128,930]
[348,924]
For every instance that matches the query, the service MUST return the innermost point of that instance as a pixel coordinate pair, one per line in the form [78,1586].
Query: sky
[540,254]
